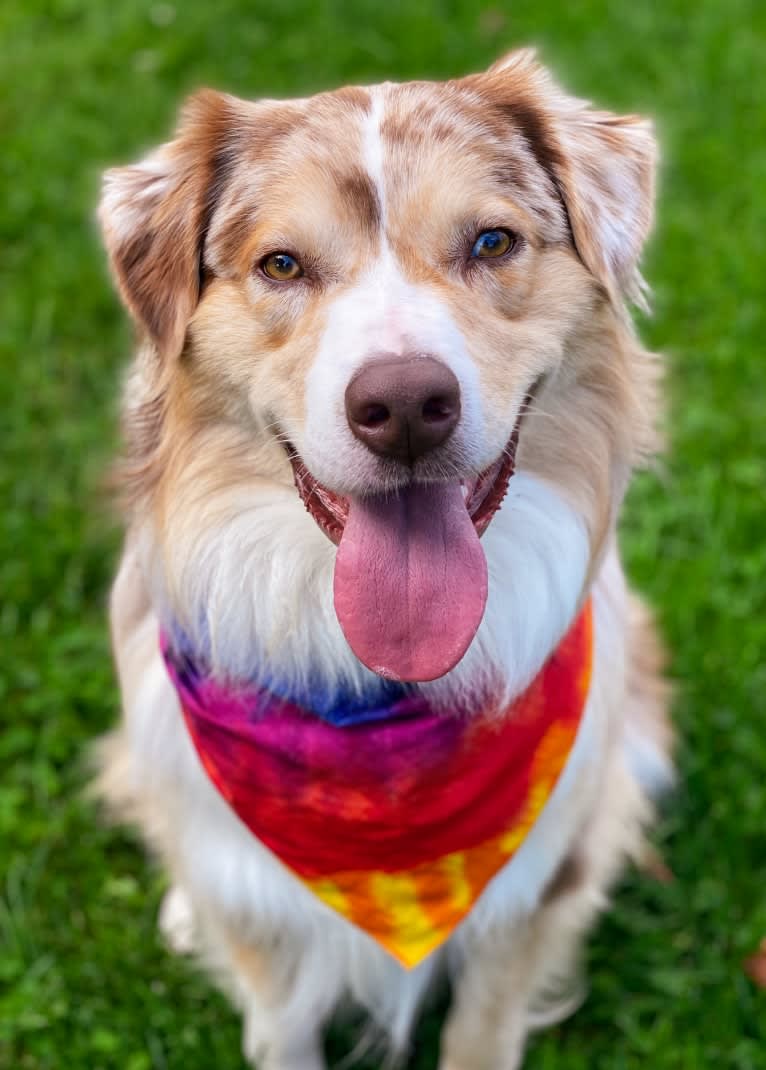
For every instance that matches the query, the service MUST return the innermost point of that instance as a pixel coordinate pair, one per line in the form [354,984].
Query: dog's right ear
[602,165]
[154,216]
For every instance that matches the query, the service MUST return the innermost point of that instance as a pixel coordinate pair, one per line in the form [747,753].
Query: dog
[390,710]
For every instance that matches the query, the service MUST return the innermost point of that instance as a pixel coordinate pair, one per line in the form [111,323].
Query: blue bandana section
[341,705]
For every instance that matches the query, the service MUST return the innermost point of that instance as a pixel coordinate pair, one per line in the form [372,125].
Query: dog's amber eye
[282,267]
[493,243]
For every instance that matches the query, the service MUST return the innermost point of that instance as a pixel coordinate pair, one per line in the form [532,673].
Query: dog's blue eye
[493,243]
[282,267]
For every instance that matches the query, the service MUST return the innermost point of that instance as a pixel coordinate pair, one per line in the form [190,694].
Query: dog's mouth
[410,581]
[482,496]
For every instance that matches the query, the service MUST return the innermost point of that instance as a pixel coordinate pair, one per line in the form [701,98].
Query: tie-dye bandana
[395,815]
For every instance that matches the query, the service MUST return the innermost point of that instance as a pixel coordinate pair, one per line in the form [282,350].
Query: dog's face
[372,286]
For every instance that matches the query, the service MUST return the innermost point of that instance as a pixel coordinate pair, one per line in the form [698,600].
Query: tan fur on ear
[154,215]
[608,180]
[518,59]
[603,166]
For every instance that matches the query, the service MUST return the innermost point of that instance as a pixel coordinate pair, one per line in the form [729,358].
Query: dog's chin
[483,494]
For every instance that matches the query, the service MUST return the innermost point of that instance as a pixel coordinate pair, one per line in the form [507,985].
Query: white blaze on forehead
[382,315]
[372,148]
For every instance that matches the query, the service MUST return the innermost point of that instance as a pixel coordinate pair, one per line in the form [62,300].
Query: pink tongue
[410,581]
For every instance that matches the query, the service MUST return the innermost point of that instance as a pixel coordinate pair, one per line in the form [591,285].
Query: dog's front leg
[282,1030]
[486,1027]
[502,977]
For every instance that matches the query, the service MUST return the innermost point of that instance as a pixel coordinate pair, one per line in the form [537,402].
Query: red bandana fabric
[397,822]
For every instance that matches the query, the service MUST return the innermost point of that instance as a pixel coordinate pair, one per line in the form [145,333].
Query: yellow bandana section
[412,913]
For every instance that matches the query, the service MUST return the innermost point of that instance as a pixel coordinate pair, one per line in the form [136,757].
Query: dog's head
[400,293]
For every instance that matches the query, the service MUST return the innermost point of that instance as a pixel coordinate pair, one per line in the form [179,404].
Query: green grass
[84,982]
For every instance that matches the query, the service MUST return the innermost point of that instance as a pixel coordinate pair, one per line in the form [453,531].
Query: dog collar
[397,817]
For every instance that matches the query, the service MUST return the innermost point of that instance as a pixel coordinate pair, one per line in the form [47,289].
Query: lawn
[84,982]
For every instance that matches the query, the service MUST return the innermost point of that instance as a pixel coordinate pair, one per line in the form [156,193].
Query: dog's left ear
[153,217]
[603,166]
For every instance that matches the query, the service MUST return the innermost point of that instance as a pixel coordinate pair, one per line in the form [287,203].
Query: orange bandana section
[398,824]
[412,912]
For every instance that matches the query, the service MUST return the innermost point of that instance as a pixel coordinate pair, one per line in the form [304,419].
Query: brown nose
[402,407]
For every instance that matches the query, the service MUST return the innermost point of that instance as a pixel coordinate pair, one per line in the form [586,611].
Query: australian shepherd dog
[389,710]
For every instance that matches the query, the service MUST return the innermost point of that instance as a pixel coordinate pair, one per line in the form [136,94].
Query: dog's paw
[271,1044]
[452,1064]
[483,1057]
[309,1059]
[176,921]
